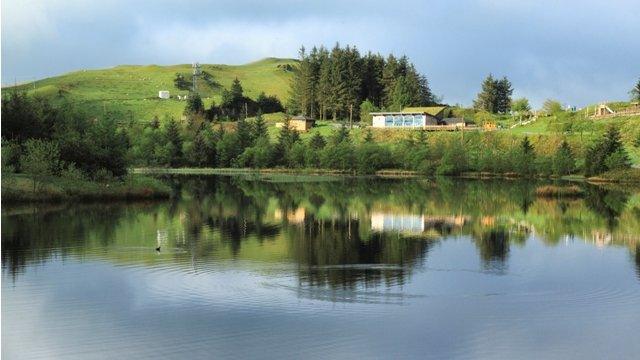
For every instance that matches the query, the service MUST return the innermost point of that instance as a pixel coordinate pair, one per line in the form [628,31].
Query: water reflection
[344,234]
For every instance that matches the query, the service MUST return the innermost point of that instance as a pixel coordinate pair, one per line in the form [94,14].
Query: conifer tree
[563,162]
[200,151]
[606,154]
[503,96]
[194,105]
[244,133]
[317,142]
[174,140]
[487,98]
[259,127]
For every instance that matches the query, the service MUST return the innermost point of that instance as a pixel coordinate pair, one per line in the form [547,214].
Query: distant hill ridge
[133,89]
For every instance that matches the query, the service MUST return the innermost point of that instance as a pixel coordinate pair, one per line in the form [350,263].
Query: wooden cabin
[302,123]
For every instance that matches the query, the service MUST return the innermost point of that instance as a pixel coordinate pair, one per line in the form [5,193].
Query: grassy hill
[133,89]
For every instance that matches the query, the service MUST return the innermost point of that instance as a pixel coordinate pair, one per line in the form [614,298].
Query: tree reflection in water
[347,234]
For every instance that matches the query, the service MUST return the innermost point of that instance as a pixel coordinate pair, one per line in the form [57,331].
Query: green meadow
[132,90]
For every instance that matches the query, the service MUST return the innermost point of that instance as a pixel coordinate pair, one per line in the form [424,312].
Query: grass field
[133,90]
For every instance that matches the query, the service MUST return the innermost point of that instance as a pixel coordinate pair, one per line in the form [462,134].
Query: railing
[631,111]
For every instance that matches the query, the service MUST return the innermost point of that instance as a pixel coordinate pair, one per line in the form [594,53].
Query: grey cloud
[577,52]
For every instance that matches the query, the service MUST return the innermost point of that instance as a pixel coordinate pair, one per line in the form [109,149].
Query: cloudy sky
[579,52]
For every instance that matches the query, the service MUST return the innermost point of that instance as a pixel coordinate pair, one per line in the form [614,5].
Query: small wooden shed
[302,123]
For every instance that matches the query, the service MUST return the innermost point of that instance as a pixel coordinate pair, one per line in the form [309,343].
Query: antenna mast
[196,73]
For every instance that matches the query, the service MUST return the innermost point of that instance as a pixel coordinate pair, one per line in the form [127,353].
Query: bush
[617,160]
[453,161]
[10,157]
[372,157]
[296,155]
[103,175]
[41,159]
[73,173]
[340,156]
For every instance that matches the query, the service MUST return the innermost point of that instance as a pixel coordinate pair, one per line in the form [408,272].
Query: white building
[402,120]
[163,94]
[432,118]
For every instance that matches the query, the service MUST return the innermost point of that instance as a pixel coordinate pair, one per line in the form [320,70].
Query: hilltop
[133,89]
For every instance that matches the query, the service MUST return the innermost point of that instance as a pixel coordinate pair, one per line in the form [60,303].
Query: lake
[338,268]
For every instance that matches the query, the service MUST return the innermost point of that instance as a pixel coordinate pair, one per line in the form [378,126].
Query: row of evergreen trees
[333,84]
[249,145]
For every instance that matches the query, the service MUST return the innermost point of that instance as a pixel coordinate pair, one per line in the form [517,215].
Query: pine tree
[200,151]
[339,86]
[317,142]
[286,139]
[259,127]
[503,96]
[564,162]
[402,94]
[372,70]
[352,80]
[236,90]
[606,154]
[341,135]
[525,160]
[174,140]
[194,105]
[244,133]
[487,98]
[325,90]
[301,96]
[390,74]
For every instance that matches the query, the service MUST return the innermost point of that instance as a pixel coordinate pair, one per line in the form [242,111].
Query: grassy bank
[19,188]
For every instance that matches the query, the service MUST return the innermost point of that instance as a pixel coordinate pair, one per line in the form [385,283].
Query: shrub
[41,159]
[295,157]
[606,152]
[71,172]
[564,162]
[10,157]
[103,175]
[372,157]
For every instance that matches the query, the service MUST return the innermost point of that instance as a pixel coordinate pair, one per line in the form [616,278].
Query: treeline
[234,104]
[336,84]
[42,140]
[249,145]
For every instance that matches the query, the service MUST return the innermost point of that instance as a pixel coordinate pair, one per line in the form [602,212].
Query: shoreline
[630,176]
[18,189]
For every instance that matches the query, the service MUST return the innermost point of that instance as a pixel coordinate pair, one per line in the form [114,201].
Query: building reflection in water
[343,236]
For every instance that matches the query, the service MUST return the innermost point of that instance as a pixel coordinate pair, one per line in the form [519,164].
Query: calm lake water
[338,269]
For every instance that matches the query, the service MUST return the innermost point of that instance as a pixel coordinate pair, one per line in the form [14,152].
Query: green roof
[431,110]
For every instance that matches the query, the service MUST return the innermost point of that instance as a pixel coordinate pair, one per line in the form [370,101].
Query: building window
[388,120]
[397,120]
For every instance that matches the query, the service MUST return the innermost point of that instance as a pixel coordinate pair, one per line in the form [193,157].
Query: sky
[578,52]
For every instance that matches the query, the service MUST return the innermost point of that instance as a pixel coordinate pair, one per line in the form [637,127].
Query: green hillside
[133,89]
